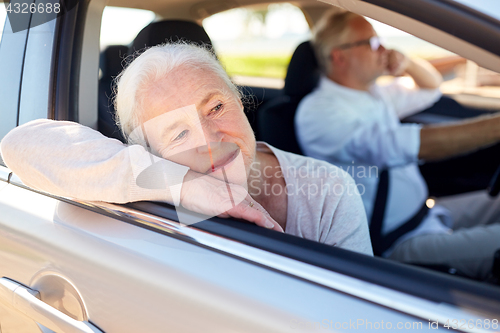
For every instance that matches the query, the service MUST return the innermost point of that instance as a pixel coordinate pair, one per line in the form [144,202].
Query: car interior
[271,115]
[272,111]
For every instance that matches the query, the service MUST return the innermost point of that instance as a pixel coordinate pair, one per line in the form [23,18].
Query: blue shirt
[360,132]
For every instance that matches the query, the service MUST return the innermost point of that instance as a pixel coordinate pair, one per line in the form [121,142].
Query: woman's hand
[210,196]
[251,211]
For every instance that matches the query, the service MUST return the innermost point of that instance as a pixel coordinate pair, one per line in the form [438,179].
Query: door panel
[12,321]
[135,280]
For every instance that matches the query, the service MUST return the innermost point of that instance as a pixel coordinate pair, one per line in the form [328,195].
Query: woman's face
[192,118]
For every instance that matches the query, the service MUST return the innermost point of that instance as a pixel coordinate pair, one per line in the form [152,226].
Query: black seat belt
[382,243]
[379,212]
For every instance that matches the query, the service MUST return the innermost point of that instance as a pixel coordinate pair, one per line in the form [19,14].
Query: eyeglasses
[374,43]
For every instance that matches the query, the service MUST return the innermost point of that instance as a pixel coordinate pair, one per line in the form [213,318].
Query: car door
[72,266]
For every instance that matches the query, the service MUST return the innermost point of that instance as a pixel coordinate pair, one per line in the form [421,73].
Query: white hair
[153,65]
[331,31]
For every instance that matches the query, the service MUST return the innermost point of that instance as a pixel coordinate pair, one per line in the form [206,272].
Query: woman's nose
[208,147]
[212,134]
[211,141]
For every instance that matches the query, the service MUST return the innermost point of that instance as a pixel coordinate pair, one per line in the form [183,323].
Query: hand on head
[397,63]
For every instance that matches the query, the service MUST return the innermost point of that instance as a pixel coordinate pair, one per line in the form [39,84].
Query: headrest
[169,31]
[110,61]
[303,72]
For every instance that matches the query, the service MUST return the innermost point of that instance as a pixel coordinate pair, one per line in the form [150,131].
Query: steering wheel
[494,187]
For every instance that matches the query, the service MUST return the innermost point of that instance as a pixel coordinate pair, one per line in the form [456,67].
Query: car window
[464,80]
[120,25]
[258,47]
[488,7]
[12,46]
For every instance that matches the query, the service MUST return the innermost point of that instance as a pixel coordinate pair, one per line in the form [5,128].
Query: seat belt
[379,212]
[382,243]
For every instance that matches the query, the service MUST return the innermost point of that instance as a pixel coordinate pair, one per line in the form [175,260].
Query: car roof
[198,10]
[435,21]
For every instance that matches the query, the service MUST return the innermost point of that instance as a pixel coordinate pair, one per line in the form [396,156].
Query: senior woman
[176,101]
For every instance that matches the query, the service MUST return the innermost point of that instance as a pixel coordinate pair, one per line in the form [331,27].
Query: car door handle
[28,302]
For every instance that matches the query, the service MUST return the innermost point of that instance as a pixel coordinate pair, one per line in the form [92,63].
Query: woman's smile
[224,161]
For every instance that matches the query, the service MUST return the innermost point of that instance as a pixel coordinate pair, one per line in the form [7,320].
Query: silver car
[74,266]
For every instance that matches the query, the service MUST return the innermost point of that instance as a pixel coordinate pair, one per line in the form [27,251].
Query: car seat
[275,119]
[110,64]
[169,31]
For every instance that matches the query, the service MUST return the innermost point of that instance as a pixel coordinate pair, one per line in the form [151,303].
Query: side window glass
[465,81]
[3,17]
[259,45]
[12,47]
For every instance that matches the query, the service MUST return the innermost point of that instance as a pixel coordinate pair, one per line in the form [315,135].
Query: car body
[75,266]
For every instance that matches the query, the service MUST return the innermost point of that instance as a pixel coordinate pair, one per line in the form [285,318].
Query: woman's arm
[71,160]
[68,159]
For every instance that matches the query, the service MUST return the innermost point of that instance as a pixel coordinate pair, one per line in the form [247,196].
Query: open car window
[121,25]
[245,50]
[257,49]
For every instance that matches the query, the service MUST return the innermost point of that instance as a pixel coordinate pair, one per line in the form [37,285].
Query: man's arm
[338,132]
[444,141]
[68,159]
[422,72]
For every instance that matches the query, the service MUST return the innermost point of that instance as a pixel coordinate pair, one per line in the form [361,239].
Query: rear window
[260,42]
[120,25]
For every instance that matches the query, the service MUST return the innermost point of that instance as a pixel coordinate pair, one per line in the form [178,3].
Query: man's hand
[397,63]
[421,71]
[210,196]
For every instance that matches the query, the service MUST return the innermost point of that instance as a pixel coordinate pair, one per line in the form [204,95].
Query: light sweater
[71,160]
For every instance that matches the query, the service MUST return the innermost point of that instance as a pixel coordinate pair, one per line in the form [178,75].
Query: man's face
[363,62]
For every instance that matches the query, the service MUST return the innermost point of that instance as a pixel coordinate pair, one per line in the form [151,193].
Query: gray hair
[153,65]
[329,32]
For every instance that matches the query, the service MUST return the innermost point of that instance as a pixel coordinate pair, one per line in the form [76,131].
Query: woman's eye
[181,135]
[216,109]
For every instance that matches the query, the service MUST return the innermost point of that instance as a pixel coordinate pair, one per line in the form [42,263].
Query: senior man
[351,121]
